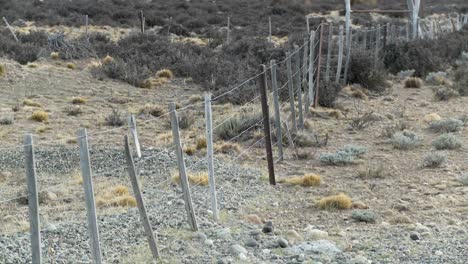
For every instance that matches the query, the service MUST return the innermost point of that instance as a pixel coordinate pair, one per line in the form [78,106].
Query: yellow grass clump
[78,100]
[40,116]
[120,190]
[71,66]
[117,196]
[201,143]
[429,118]
[195,99]
[107,60]
[340,201]
[29,102]
[2,70]
[196,179]
[32,65]
[306,180]
[54,55]
[413,82]
[227,148]
[190,151]
[153,83]
[165,73]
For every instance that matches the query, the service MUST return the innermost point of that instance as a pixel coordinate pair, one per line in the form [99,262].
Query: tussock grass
[165,73]
[196,179]
[107,60]
[227,148]
[71,66]
[340,201]
[2,70]
[29,102]
[190,151]
[306,180]
[40,116]
[78,100]
[153,110]
[201,143]
[117,196]
[32,65]
[55,55]
[413,82]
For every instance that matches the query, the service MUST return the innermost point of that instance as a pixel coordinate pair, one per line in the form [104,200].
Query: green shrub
[7,120]
[444,93]
[364,216]
[328,93]
[346,155]
[405,140]
[115,119]
[434,160]
[446,125]
[363,71]
[447,141]
[239,124]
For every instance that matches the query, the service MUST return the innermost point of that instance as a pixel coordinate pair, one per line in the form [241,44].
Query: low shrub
[363,71]
[437,78]
[165,73]
[344,156]
[40,116]
[115,119]
[447,141]
[6,120]
[328,93]
[227,148]
[405,140]
[29,102]
[55,55]
[186,120]
[413,82]
[74,110]
[340,201]
[446,125]
[201,143]
[306,180]
[71,65]
[153,110]
[364,216]
[78,100]
[461,80]
[444,93]
[434,160]
[238,124]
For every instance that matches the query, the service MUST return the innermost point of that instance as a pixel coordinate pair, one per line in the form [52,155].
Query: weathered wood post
[348,22]
[33,200]
[340,55]
[297,82]
[364,41]
[139,198]
[310,92]
[329,53]
[228,34]
[269,28]
[86,25]
[133,131]
[307,23]
[262,80]
[291,91]
[142,21]
[377,46]
[209,156]
[319,65]
[279,132]
[10,29]
[85,164]
[413,6]
[182,170]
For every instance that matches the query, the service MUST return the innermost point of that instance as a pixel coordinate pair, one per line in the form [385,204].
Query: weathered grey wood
[182,171]
[139,198]
[298,89]
[340,55]
[393,34]
[209,156]
[86,24]
[279,132]
[141,16]
[413,6]
[364,41]
[348,22]
[348,58]
[33,200]
[133,131]
[377,46]
[269,28]
[307,24]
[86,173]
[291,91]
[303,89]
[228,37]
[310,91]
[10,29]
[408,35]
[329,53]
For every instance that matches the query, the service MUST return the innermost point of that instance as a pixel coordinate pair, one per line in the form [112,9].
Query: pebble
[316,234]
[282,242]
[250,242]
[439,253]
[415,236]
[268,228]
[237,249]
[293,236]
[209,242]
[199,236]
[254,219]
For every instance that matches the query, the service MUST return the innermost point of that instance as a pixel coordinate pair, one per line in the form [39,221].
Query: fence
[324,57]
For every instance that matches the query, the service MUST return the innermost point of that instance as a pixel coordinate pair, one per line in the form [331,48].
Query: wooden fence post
[348,21]
[139,198]
[377,46]
[305,69]
[10,29]
[269,28]
[340,56]
[262,80]
[310,92]
[133,131]
[297,69]
[364,40]
[228,37]
[86,25]
[319,65]
[209,157]
[86,173]
[348,57]
[329,53]
[33,200]
[385,35]
[182,171]
[279,132]
[291,91]
[307,24]
[141,16]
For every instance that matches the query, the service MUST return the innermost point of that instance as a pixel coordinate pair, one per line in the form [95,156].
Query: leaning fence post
[348,57]
[139,198]
[133,131]
[142,21]
[279,132]
[182,171]
[86,173]
[33,201]
[377,46]
[329,53]
[209,156]
[310,92]
[319,65]
[340,55]
[297,69]
[228,34]
[364,40]
[10,29]
[291,91]
[307,23]
[262,80]
[86,25]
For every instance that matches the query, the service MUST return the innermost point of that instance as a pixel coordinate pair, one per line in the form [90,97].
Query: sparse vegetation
[29,102]
[363,71]
[237,124]
[2,70]
[71,65]
[405,140]
[306,180]
[437,78]
[186,120]
[329,93]
[78,100]
[227,148]
[196,179]
[165,73]
[373,172]
[6,120]
[345,156]
[340,201]
[40,116]
[446,125]
[115,118]
[364,216]
[201,143]
[190,151]
[73,110]
[153,110]
[54,55]
[413,82]
[434,160]
[117,196]
[447,141]
[444,93]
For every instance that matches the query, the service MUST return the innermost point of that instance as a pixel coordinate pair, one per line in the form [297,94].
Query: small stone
[438,253]
[199,236]
[237,249]
[360,260]
[293,236]
[180,202]
[415,236]
[209,242]
[242,256]
[282,242]
[268,228]
[254,219]
[266,251]
[46,197]
[301,258]
[421,228]
[360,205]
[316,234]
[224,233]
[250,242]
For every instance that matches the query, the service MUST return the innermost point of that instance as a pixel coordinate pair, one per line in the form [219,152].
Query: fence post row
[182,170]
[279,132]
[86,173]
[310,92]
[139,198]
[298,82]
[33,200]
[329,53]
[319,66]
[364,36]
[266,123]
[340,55]
[133,130]
[209,156]
[291,91]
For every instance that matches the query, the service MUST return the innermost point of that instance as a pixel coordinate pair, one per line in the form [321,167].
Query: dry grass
[29,102]
[78,100]
[2,70]
[306,180]
[32,65]
[107,60]
[55,55]
[195,99]
[413,82]
[153,83]
[71,66]
[340,201]
[197,179]
[117,196]
[227,148]
[165,73]
[190,151]
[40,116]
[201,143]
[153,110]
